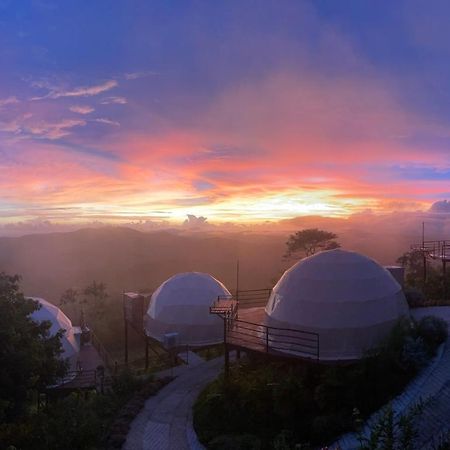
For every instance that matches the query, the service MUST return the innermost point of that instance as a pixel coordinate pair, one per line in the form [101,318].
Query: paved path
[431,386]
[165,423]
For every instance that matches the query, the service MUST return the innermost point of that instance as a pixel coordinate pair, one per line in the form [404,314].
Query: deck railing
[77,379]
[273,340]
[434,249]
[252,298]
[104,354]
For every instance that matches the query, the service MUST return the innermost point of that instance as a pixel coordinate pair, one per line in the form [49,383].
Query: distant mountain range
[126,259]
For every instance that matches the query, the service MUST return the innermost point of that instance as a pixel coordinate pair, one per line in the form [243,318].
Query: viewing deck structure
[438,251]
[245,329]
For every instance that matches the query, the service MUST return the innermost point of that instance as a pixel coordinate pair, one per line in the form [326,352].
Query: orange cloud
[287,145]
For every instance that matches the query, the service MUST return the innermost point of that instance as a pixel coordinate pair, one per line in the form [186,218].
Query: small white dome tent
[348,299]
[181,305]
[58,320]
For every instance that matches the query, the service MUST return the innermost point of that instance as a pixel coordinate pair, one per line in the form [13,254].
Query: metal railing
[77,379]
[104,354]
[252,298]
[434,249]
[273,340]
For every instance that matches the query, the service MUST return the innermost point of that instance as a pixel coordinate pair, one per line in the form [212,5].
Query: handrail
[270,339]
[104,354]
[435,249]
[76,379]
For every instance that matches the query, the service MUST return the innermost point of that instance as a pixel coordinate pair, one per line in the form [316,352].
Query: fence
[273,340]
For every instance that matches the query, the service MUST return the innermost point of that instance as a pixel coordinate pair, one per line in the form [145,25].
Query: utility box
[170,340]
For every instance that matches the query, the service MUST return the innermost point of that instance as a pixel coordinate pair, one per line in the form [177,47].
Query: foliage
[93,299]
[309,241]
[29,355]
[285,405]
[415,297]
[419,293]
[233,442]
[125,383]
[443,442]
[415,353]
[78,421]
[74,422]
[69,296]
[391,432]
[412,262]
[433,331]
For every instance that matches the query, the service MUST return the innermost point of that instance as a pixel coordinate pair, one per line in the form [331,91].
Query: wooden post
[444,275]
[424,256]
[237,281]
[227,354]
[146,353]
[424,269]
[227,362]
[125,323]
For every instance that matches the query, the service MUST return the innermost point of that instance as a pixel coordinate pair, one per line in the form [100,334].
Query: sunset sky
[235,110]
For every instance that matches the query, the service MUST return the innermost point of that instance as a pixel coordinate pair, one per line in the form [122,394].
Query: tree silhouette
[309,241]
[29,355]
[69,297]
[95,297]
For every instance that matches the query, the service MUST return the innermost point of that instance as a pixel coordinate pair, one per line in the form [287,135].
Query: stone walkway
[165,423]
[431,387]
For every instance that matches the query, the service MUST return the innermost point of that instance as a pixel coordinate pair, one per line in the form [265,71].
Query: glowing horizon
[222,112]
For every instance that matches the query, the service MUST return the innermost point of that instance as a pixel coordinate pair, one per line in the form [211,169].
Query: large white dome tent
[181,306]
[58,320]
[348,299]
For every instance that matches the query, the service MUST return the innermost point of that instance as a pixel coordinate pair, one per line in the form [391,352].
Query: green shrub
[233,442]
[312,403]
[433,331]
[415,353]
[415,297]
[126,383]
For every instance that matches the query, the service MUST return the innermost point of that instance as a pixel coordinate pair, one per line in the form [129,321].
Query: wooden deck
[87,377]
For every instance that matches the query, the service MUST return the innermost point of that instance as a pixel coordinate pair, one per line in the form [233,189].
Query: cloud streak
[83,91]
[82,109]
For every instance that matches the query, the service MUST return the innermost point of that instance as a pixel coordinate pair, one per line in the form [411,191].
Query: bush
[415,353]
[433,331]
[126,383]
[233,442]
[312,403]
[415,297]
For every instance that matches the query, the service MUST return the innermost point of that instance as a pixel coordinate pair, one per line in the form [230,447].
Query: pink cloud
[82,109]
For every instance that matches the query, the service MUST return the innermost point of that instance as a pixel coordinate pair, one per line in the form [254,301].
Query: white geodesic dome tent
[348,299]
[180,306]
[58,320]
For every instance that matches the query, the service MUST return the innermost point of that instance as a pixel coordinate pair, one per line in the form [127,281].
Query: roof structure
[348,299]
[181,305]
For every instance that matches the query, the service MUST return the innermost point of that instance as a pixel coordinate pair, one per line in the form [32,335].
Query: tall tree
[95,296]
[412,261]
[309,241]
[30,358]
[69,297]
